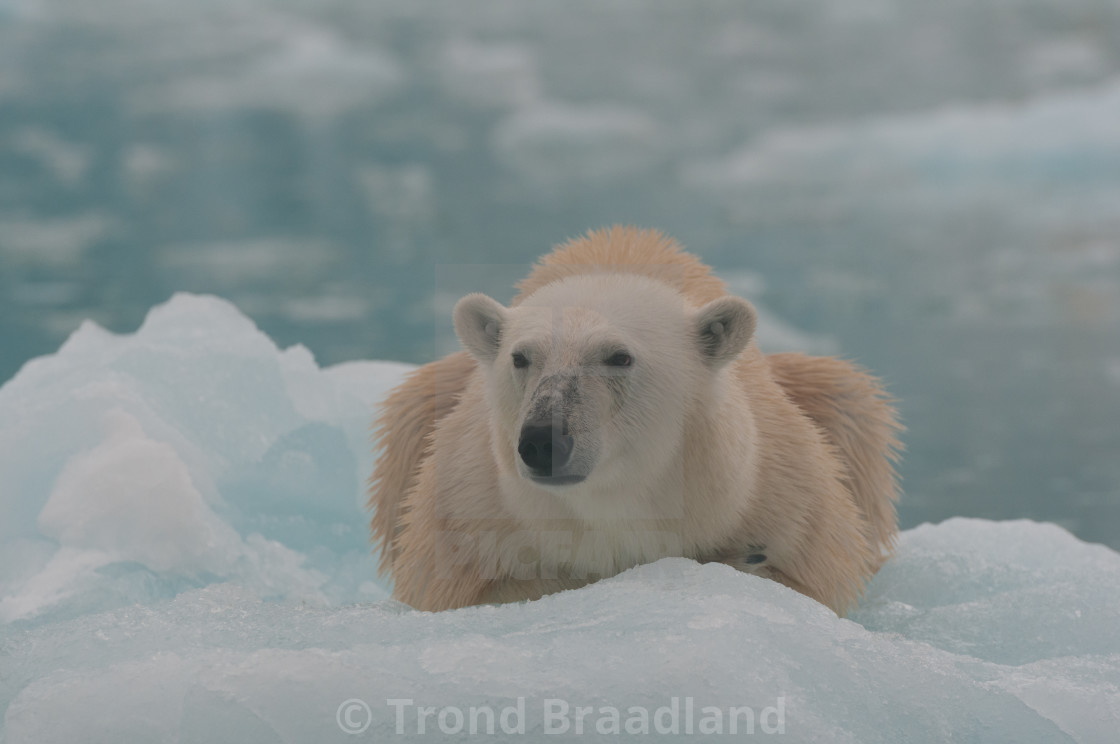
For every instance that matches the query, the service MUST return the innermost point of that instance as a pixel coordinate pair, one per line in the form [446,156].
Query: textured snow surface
[190,452]
[183,557]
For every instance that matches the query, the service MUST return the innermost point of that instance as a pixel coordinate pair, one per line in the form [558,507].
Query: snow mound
[977,631]
[191,452]
[184,557]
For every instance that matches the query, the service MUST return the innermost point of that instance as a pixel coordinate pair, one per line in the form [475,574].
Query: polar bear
[620,412]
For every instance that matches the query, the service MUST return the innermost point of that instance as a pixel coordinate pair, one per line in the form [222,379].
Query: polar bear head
[590,379]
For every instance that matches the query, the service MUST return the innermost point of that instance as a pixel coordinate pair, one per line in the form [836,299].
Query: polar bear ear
[478,324]
[724,327]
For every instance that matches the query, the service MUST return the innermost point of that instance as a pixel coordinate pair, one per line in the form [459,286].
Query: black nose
[544,448]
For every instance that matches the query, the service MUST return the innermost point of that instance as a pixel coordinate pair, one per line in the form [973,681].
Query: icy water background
[932,189]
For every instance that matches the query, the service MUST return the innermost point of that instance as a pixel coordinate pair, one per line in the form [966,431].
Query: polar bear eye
[520,360]
[620,359]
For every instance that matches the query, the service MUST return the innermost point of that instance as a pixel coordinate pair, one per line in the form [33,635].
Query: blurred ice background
[930,188]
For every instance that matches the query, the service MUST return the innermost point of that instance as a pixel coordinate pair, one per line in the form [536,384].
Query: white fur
[688,440]
[639,473]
